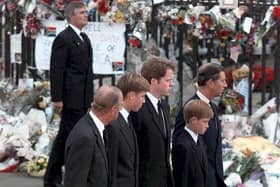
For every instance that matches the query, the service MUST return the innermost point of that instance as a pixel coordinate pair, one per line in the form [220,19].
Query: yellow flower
[40,161]
[222,44]
[119,17]
[121,1]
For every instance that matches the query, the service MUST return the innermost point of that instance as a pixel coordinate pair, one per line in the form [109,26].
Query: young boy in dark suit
[189,152]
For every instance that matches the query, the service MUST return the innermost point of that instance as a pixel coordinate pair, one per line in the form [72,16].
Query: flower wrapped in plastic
[194,13]
[37,166]
[246,164]
[232,101]
[228,20]
[265,25]
[32,25]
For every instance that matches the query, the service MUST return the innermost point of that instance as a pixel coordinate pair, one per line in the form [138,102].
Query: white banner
[107,40]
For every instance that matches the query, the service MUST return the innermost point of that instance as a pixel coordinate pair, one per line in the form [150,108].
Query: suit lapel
[99,141]
[125,132]
[76,39]
[198,150]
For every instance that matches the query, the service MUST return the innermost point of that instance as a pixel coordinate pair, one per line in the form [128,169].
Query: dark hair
[197,108]
[71,7]
[209,71]
[132,82]
[106,97]
[155,67]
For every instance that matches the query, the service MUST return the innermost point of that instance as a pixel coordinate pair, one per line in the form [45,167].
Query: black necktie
[215,112]
[198,141]
[161,117]
[129,125]
[84,36]
[129,122]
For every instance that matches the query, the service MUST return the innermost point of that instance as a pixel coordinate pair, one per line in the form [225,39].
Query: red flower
[47,1]
[175,21]
[223,32]
[276,13]
[134,42]
[180,20]
[239,36]
[192,19]
[241,102]
[102,7]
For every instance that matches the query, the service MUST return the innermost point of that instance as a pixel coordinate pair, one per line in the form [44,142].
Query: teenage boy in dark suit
[211,81]
[122,146]
[189,155]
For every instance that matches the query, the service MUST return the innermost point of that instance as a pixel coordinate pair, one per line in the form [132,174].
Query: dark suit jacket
[189,162]
[123,154]
[212,138]
[86,162]
[71,75]
[154,146]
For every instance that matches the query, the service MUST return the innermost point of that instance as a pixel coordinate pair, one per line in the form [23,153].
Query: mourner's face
[200,125]
[79,18]
[165,84]
[219,85]
[137,100]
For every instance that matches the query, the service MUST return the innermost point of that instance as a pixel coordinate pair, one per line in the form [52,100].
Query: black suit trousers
[69,118]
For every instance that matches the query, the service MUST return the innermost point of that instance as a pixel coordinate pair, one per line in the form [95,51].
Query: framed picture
[228,4]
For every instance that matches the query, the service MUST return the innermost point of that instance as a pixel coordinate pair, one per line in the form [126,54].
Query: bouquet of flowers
[232,101]
[246,164]
[37,167]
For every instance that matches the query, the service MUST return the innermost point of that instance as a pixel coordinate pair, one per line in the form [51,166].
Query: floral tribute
[276,13]
[37,167]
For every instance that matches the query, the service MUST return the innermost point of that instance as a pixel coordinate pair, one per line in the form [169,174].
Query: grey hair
[71,7]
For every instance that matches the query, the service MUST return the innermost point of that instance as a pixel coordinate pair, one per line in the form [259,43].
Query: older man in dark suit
[152,126]
[86,163]
[122,144]
[211,83]
[71,79]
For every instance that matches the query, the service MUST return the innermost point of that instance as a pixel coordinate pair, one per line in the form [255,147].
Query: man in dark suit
[152,126]
[122,144]
[189,156]
[86,162]
[71,80]
[211,82]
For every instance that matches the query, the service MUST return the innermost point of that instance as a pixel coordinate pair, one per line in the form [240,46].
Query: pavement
[19,179]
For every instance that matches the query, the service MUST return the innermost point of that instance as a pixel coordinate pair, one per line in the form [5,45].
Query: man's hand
[58,106]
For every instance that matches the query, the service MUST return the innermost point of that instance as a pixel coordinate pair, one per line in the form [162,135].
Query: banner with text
[107,40]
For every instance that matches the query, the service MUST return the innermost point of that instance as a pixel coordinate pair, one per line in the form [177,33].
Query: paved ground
[19,180]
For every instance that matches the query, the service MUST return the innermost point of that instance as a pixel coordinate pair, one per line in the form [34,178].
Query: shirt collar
[76,30]
[100,126]
[193,134]
[153,100]
[124,114]
[202,97]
